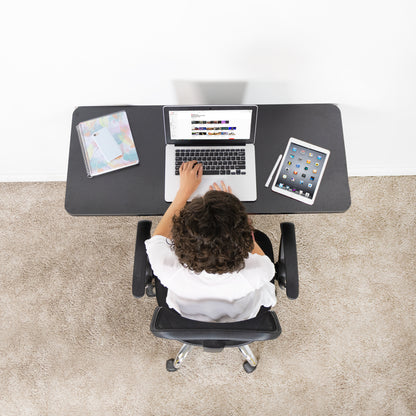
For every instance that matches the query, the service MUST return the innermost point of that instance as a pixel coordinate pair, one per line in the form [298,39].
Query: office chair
[214,337]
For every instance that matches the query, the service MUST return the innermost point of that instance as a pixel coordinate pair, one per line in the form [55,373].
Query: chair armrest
[287,266]
[142,272]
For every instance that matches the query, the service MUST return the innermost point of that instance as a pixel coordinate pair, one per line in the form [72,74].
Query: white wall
[56,56]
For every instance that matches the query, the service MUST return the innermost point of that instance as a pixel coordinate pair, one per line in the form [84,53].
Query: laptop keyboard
[229,161]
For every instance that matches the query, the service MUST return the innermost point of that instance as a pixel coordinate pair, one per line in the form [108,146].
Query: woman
[208,264]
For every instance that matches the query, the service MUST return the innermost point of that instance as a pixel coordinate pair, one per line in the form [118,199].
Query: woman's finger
[193,164]
[216,187]
[226,188]
[187,165]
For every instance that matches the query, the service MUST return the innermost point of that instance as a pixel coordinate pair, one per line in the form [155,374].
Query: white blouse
[212,297]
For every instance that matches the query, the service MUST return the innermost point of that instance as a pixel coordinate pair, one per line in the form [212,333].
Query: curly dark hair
[213,233]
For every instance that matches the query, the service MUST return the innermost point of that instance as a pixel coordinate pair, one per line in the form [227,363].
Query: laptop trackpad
[243,190]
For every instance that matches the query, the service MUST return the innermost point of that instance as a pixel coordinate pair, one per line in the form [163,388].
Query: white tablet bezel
[310,146]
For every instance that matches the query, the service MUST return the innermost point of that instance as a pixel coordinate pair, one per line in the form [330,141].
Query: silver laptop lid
[210,125]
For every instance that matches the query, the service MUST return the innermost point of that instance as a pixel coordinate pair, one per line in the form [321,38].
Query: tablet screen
[301,170]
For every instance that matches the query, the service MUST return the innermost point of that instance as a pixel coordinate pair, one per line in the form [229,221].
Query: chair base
[249,365]
[174,363]
[248,368]
[170,366]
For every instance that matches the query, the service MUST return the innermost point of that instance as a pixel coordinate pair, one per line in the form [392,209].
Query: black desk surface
[139,190]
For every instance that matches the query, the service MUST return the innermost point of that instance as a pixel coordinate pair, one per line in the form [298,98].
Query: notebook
[221,138]
[107,144]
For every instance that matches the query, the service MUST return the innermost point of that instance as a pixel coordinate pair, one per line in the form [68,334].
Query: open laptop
[221,138]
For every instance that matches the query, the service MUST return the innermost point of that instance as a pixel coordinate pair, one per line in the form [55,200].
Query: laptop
[221,138]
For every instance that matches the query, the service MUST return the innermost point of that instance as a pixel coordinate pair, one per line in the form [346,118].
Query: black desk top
[139,190]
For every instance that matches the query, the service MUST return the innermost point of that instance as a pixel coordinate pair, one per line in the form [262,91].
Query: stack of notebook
[107,144]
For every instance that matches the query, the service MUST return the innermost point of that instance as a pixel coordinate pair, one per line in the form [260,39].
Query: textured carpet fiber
[73,340]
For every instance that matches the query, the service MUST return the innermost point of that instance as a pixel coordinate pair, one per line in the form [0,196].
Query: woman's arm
[190,178]
[257,249]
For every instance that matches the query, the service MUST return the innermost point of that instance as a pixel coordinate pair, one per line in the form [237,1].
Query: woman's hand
[190,177]
[224,188]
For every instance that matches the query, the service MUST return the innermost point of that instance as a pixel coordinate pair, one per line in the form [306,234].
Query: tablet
[301,171]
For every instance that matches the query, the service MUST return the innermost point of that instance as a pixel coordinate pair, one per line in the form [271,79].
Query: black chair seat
[166,323]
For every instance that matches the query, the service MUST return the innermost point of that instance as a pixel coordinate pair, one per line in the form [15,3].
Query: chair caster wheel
[169,365]
[150,291]
[248,367]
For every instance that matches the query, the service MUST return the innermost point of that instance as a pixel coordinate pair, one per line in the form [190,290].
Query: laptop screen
[209,124]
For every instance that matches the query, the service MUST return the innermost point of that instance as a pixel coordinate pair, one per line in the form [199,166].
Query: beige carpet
[73,340]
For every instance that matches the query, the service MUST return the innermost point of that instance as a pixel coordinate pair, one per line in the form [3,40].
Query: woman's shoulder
[257,260]
[258,269]
[161,256]
[160,244]
[158,239]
